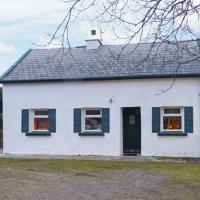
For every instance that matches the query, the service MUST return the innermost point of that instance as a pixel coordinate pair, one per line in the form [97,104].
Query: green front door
[131,130]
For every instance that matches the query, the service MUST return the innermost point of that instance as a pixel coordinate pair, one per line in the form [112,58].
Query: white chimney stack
[93,42]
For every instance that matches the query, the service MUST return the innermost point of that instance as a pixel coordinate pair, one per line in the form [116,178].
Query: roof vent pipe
[93,42]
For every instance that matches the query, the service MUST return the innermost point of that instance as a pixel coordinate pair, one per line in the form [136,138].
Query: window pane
[41,112]
[92,123]
[92,112]
[172,111]
[41,123]
[172,123]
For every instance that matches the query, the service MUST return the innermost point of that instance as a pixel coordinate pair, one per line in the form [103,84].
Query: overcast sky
[24,22]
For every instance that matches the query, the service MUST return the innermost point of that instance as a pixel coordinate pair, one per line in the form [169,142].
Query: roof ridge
[15,64]
[113,45]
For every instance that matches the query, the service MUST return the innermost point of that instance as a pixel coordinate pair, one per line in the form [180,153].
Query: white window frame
[33,116]
[181,114]
[84,116]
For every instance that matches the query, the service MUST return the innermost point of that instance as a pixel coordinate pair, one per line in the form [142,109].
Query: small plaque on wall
[132,119]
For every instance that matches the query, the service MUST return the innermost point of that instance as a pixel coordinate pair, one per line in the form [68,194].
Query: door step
[131,152]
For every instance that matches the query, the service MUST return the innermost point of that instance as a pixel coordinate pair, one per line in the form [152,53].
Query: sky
[25,24]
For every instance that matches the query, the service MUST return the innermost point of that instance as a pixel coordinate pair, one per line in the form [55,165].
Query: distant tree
[1,101]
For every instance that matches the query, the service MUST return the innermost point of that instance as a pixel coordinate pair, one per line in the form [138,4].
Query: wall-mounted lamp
[111,100]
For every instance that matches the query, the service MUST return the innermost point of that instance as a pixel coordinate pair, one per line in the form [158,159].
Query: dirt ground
[31,181]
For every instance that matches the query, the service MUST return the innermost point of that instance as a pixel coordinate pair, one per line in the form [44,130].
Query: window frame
[84,116]
[32,119]
[181,114]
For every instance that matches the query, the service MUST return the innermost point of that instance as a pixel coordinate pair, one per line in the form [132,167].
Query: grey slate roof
[107,62]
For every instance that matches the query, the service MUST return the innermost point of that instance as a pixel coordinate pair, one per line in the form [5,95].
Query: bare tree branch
[167,22]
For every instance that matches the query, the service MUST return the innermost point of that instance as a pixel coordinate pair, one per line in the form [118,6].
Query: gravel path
[111,184]
[22,184]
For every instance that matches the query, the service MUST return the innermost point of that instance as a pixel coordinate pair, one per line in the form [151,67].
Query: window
[92,120]
[172,119]
[40,120]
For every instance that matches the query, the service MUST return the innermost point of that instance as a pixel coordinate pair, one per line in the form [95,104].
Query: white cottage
[99,100]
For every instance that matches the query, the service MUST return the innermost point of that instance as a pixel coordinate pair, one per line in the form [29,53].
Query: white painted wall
[125,93]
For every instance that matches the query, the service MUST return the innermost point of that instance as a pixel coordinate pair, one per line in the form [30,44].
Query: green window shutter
[52,120]
[106,120]
[156,119]
[25,121]
[188,118]
[77,120]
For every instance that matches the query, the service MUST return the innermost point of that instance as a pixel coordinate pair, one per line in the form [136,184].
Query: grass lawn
[82,179]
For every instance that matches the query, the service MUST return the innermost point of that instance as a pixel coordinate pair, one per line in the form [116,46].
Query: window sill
[39,133]
[172,133]
[91,134]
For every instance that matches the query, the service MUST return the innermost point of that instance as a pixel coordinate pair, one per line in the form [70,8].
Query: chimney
[93,42]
